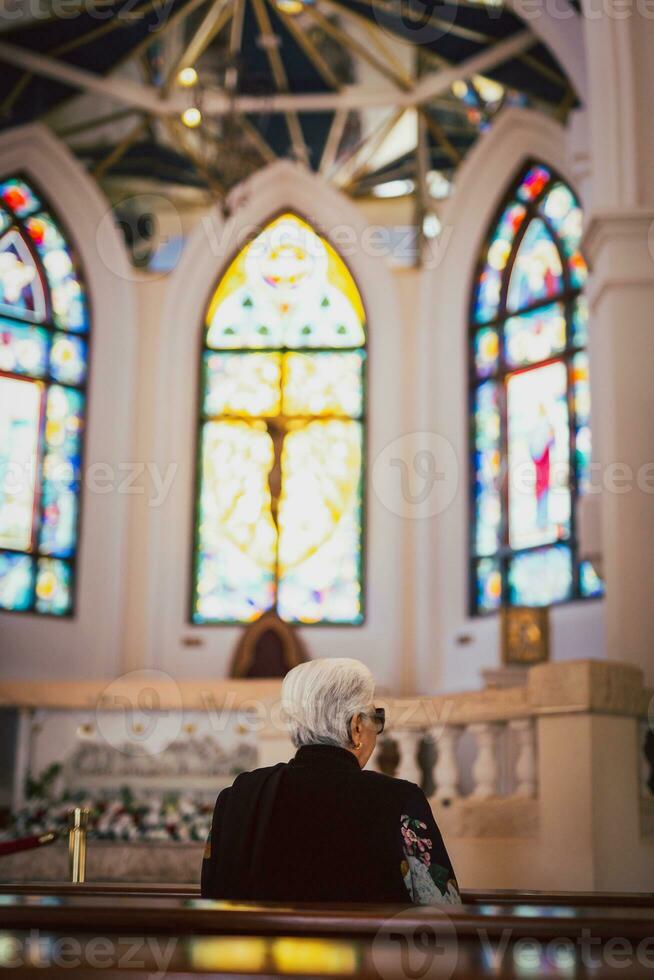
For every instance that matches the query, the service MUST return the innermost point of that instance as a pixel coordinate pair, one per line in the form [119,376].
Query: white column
[619,245]
[407,744]
[446,772]
[526,773]
[485,770]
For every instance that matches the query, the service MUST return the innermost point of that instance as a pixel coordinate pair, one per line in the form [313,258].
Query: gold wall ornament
[525,634]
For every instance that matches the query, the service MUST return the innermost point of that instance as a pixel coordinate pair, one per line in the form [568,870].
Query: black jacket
[321,829]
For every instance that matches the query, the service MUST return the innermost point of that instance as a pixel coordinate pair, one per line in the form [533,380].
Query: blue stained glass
[41,406]
[16,581]
[489,585]
[497,256]
[23,349]
[63,428]
[562,210]
[533,182]
[58,526]
[537,272]
[53,587]
[66,293]
[581,395]
[21,288]
[591,585]
[487,469]
[487,351]
[535,336]
[19,197]
[68,359]
[541,577]
[580,322]
[528,333]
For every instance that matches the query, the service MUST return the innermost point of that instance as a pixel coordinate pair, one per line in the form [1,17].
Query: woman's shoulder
[393,786]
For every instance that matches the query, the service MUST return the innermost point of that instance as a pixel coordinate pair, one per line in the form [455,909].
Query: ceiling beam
[218,102]
[212,23]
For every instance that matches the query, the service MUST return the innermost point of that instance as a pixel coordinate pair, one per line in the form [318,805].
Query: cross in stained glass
[279,505]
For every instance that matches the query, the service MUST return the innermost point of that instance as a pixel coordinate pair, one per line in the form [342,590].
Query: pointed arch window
[43,368]
[530,401]
[279,499]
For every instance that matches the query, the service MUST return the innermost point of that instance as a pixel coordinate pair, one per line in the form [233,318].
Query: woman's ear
[355,730]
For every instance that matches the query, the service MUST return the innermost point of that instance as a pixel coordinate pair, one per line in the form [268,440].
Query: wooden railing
[176,937]
[468,896]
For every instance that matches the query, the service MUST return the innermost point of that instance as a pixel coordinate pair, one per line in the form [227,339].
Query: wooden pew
[469,896]
[450,943]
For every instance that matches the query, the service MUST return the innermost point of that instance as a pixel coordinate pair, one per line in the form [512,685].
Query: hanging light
[292,7]
[438,185]
[393,188]
[192,117]
[187,77]
[431,225]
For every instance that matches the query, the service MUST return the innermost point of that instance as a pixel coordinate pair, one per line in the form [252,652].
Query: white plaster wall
[452,647]
[90,644]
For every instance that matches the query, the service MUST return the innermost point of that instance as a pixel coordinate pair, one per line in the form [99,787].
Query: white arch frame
[210,248]
[482,181]
[89,645]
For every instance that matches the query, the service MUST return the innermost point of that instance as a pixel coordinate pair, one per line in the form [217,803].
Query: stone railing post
[407,743]
[485,771]
[526,772]
[446,772]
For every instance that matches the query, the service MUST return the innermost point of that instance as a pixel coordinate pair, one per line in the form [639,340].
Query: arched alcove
[459,646]
[173,643]
[89,644]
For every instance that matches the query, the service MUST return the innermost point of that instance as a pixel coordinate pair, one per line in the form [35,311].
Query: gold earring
[357,746]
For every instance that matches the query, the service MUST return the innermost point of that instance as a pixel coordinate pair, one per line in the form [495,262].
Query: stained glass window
[279,501]
[530,401]
[43,365]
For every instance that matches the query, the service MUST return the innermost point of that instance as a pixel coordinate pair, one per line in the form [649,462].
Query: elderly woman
[320,828]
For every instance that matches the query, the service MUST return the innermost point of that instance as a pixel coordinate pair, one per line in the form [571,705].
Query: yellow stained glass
[323,384]
[242,384]
[236,532]
[279,511]
[319,518]
[286,288]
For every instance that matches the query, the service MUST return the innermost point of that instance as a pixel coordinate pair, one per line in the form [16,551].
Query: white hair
[320,698]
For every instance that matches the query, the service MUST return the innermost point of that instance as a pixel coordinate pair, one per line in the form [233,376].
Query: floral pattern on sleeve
[427,882]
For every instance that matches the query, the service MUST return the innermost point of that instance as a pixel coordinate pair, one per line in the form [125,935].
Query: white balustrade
[407,744]
[485,770]
[446,772]
[526,773]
